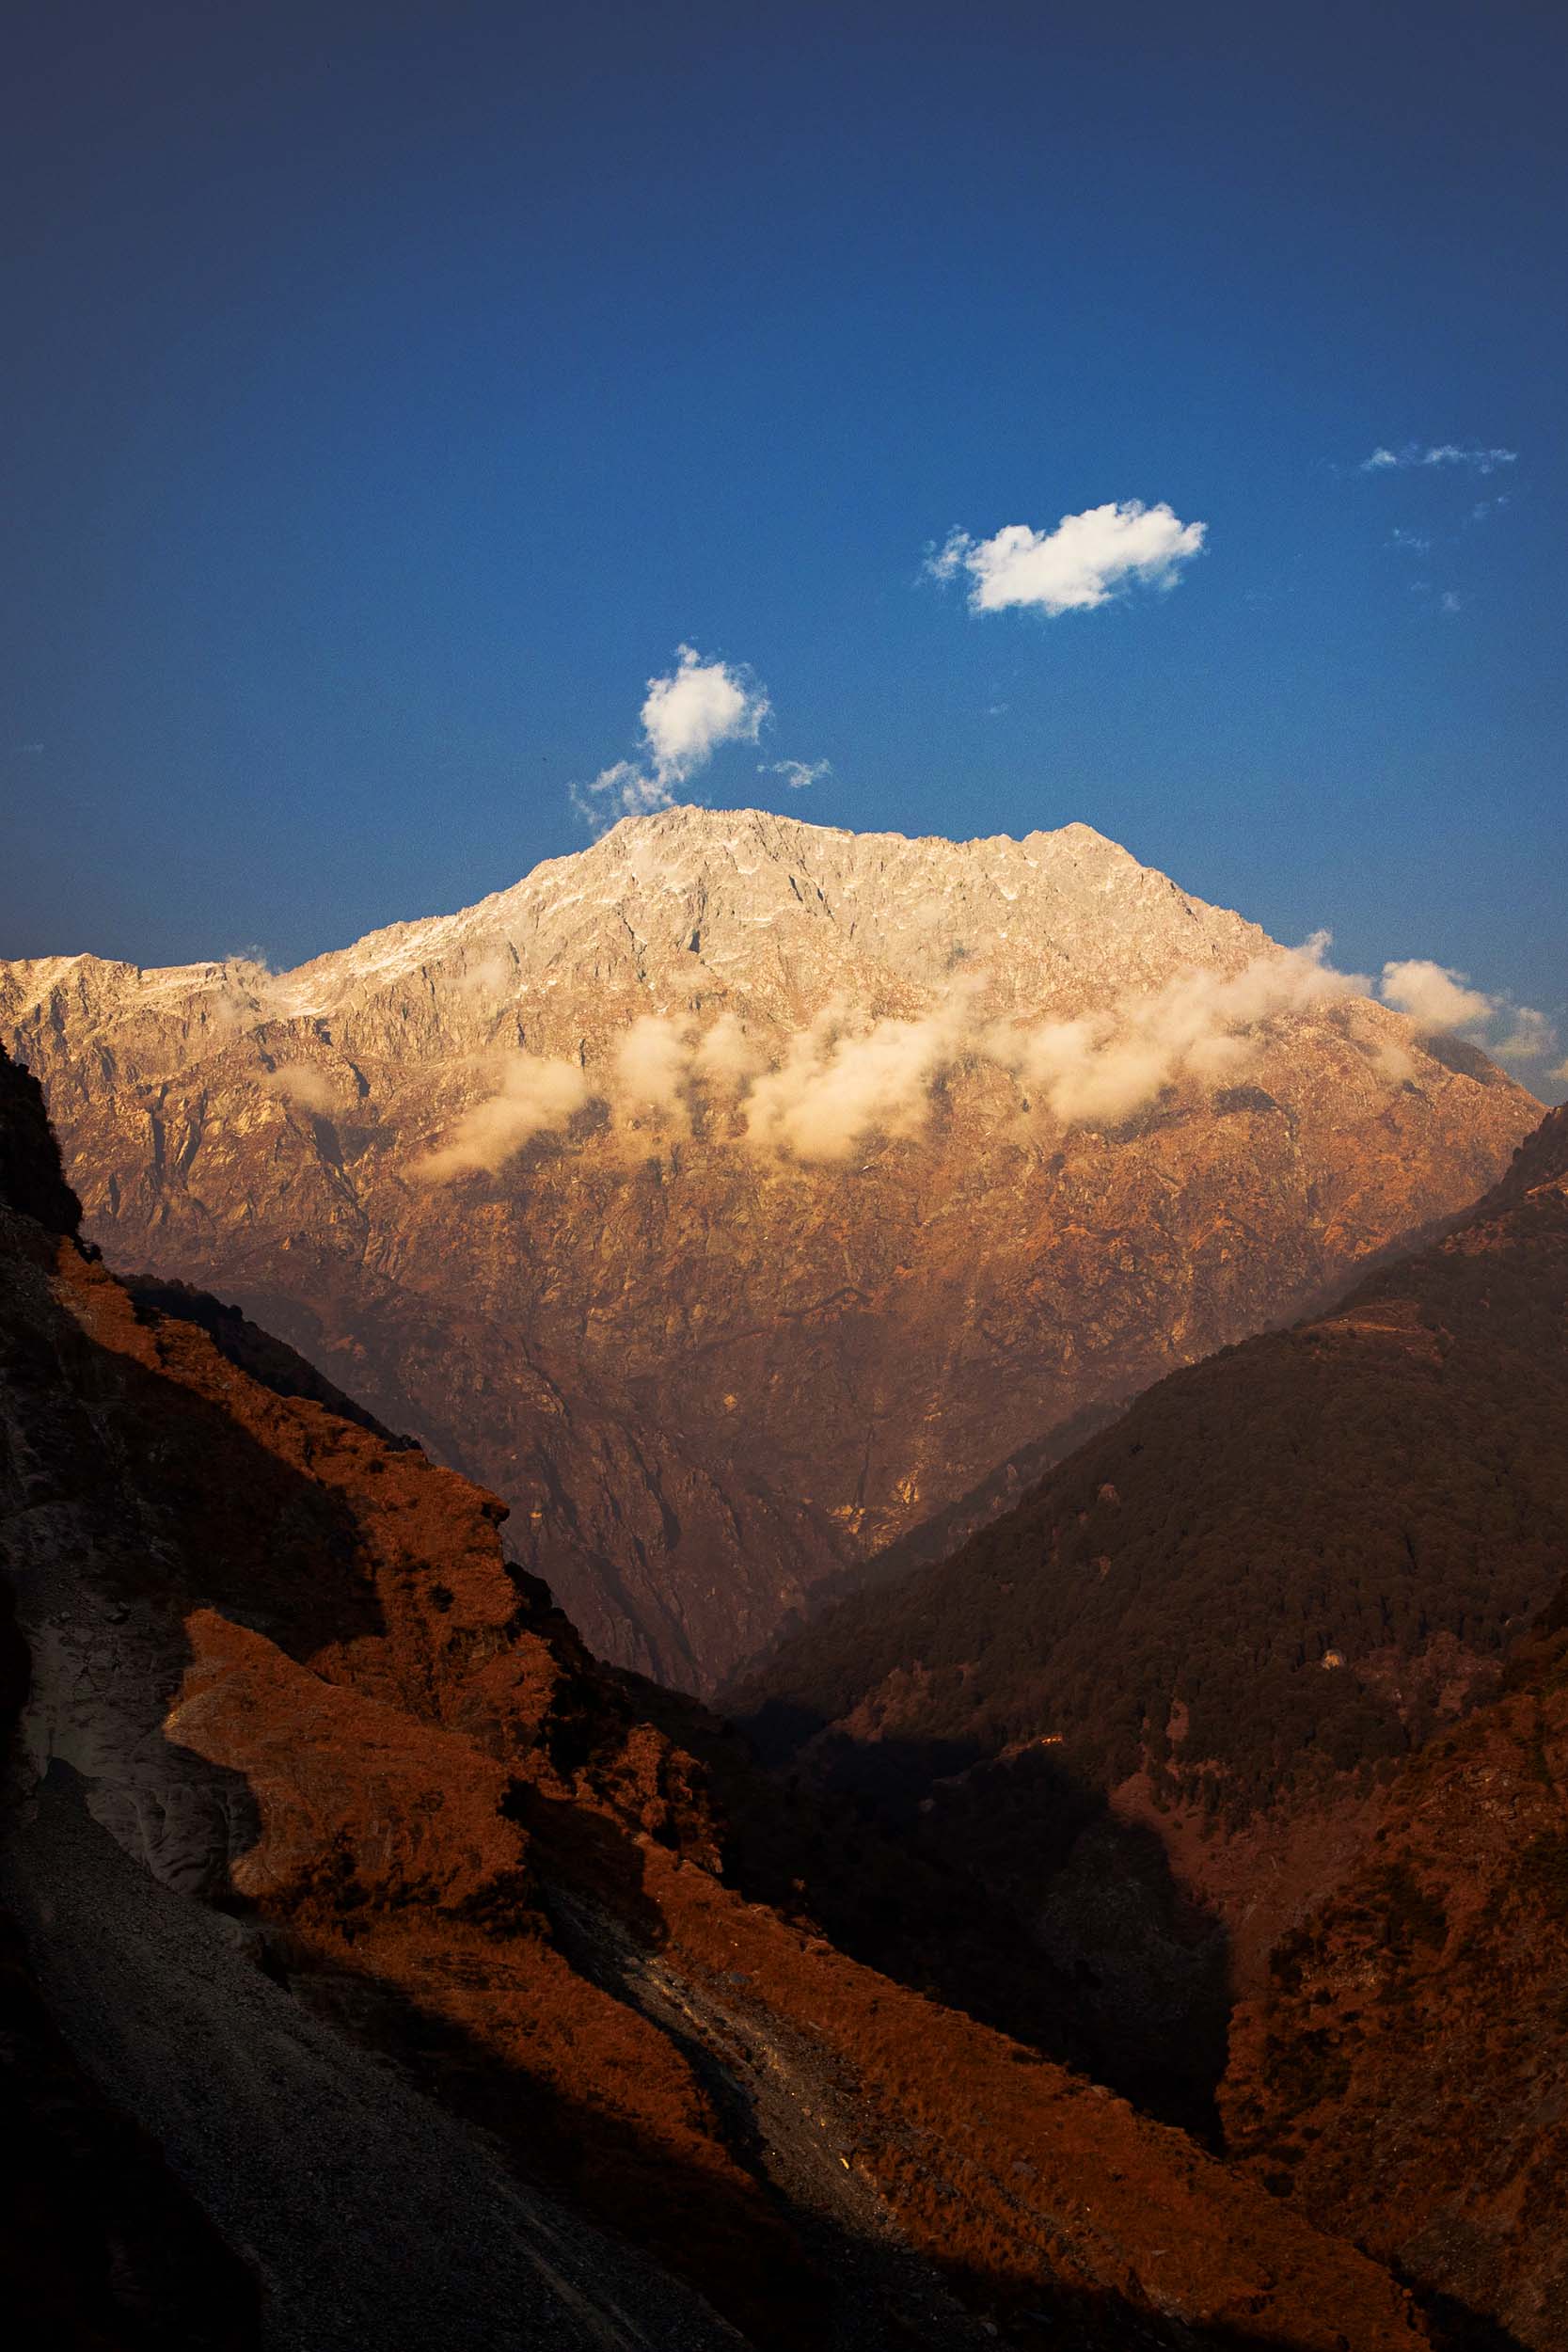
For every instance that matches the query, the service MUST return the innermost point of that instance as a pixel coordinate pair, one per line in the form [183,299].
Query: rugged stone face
[401,1925]
[770,1222]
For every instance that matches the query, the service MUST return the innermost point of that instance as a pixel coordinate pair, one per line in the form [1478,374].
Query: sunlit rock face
[737,1194]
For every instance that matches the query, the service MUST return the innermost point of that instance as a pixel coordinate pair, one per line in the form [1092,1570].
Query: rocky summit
[738,1196]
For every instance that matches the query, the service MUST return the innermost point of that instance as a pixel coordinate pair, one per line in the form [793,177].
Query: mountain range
[740,1199]
[1081,1387]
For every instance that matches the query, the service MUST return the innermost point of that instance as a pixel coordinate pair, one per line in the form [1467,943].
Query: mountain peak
[692,820]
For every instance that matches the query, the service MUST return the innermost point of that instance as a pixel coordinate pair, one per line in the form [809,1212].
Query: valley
[784,1178]
[1073,1925]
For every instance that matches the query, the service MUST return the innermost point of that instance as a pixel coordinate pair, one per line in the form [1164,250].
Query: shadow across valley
[764,2245]
[1007,1887]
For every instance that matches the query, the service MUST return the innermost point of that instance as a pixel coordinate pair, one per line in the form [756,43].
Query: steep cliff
[403,1929]
[737,1194]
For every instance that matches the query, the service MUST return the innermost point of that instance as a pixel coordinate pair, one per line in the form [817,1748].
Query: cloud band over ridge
[841,1081]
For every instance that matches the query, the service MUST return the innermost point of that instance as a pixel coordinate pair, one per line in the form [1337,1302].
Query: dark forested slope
[1283,1564]
[1404,2076]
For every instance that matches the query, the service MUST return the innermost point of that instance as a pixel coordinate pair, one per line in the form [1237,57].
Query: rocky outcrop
[32,1182]
[737,1194]
[403,1928]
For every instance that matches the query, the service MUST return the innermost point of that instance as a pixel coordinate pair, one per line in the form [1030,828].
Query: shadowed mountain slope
[737,1194]
[1405,2075]
[1182,1665]
[1277,1564]
[403,1928]
[100,2249]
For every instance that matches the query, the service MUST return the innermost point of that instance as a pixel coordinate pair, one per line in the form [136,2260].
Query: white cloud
[1443,1002]
[1418,542]
[836,1086]
[1483,461]
[684,717]
[725,1058]
[1085,561]
[798,773]
[832,1088]
[652,1063]
[843,1080]
[487,976]
[1450,601]
[698,707]
[1203,1028]
[1530,1036]
[535,1096]
[310,1086]
[1438,998]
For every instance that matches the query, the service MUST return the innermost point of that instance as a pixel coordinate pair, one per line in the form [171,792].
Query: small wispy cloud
[534,1096]
[1413,542]
[1483,461]
[1451,602]
[309,1086]
[1084,562]
[797,773]
[685,719]
[1483,507]
[1443,1002]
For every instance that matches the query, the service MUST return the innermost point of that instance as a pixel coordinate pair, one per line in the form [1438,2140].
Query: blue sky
[393,390]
